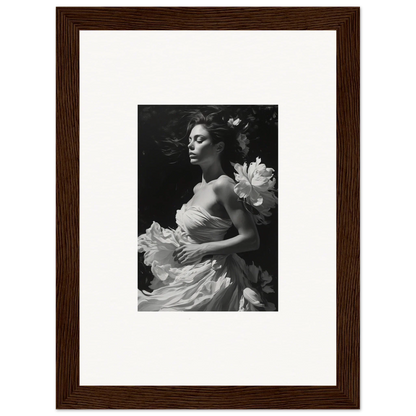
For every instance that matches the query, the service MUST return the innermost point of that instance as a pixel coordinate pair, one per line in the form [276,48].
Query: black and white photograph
[208,208]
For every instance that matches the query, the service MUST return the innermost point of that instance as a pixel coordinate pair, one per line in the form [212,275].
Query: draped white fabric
[217,283]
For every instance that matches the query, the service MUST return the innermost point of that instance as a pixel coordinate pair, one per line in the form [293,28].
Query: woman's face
[202,149]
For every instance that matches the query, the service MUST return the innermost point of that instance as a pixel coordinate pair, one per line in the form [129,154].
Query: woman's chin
[193,161]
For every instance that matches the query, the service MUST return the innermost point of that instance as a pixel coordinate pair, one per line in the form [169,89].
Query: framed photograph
[207,161]
[197,177]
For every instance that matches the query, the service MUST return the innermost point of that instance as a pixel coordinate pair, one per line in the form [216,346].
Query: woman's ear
[220,147]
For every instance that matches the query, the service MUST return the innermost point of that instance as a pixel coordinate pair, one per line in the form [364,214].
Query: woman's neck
[211,172]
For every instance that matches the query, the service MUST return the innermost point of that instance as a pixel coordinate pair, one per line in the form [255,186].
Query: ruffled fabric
[217,283]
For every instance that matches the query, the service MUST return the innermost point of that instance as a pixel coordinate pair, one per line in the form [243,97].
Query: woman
[194,267]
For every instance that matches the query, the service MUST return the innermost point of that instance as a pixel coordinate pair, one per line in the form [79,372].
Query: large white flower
[255,185]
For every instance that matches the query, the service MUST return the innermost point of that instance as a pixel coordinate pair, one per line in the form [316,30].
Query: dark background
[166,181]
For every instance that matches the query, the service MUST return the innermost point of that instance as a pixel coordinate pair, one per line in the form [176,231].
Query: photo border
[346,23]
[178,128]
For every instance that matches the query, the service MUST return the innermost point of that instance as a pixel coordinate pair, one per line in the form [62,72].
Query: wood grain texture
[69,394]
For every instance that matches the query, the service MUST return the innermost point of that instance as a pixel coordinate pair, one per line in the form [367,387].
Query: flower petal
[268,289]
[252,168]
[266,278]
[242,189]
[241,305]
[241,171]
[252,296]
[253,273]
[255,197]
[260,182]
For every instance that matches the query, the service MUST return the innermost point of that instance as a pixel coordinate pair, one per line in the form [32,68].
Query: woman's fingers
[181,257]
[178,254]
[178,250]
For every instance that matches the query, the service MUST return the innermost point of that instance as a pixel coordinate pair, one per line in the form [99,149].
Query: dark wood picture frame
[69,394]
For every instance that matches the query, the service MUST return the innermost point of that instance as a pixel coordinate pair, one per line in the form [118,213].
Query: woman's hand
[189,254]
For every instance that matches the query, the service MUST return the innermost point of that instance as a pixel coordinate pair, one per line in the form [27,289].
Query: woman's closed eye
[198,140]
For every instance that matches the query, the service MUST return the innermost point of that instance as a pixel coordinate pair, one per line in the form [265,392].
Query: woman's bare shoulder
[196,187]
[224,186]
[223,181]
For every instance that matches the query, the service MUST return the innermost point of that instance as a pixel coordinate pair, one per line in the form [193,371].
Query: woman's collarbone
[205,198]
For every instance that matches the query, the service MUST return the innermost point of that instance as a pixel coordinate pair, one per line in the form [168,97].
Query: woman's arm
[248,237]
[246,240]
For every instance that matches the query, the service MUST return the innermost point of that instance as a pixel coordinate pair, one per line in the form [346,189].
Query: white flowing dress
[217,283]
